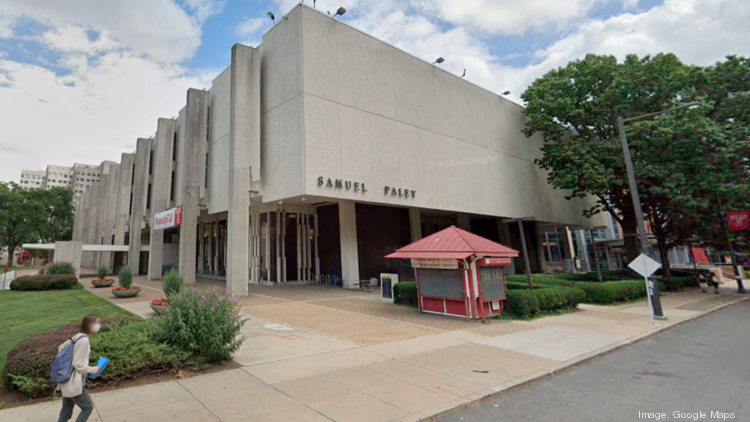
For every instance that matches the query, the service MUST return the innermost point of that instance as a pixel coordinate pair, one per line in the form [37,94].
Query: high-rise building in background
[78,178]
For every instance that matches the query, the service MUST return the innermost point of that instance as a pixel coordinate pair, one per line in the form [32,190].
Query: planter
[159,309]
[132,292]
[106,282]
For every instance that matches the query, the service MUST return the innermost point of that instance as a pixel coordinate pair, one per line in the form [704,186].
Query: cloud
[508,17]
[248,30]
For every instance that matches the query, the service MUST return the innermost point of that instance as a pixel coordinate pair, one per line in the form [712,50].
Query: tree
[14,229]
[50,214]
[675,155]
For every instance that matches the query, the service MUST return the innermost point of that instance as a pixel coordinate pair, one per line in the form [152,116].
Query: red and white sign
[738,220]
[168,218]
[442,264]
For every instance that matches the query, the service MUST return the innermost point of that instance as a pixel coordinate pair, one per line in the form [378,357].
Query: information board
[447,284]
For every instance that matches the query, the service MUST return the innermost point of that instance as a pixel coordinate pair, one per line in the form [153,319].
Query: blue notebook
[101,364]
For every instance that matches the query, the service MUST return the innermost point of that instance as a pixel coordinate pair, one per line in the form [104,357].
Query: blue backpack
[62,367]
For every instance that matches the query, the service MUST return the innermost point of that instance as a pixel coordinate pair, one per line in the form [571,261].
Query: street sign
[644,266]
[738,220]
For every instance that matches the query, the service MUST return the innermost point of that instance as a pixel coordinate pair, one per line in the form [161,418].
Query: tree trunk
[664,255]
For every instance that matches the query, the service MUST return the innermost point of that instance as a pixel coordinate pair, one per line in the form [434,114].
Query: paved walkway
[314,354]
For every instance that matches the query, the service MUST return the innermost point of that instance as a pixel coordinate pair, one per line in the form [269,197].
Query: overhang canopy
[453,243]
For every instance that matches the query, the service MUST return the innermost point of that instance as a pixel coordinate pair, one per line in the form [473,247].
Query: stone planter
[159,310]
[106,282]
[127,293]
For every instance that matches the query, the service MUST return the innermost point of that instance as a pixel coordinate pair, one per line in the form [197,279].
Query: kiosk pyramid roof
[453,243]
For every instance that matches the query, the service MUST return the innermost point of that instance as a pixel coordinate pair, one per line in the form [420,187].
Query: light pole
[653,290]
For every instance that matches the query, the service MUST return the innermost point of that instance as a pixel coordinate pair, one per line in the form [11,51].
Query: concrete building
[78,178]
[318,153]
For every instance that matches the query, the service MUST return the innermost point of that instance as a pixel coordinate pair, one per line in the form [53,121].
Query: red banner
[738,220]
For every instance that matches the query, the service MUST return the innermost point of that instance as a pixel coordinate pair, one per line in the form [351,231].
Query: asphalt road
[700,366]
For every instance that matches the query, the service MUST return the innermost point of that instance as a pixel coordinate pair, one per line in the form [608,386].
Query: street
[685,373]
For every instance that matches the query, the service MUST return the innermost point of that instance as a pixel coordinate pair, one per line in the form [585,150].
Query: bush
[525,303]
[101,272]
[61,267]
[125,277]
[28,364]
[204,323]
[405,292]
[540,279]
[613,291]
[133,350]
[676,284]
[173,283]
[44,282]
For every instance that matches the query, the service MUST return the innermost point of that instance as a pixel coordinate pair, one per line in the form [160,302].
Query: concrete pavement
[317,354]
[700,366]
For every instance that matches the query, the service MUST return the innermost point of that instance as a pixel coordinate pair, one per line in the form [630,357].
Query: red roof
[454,243]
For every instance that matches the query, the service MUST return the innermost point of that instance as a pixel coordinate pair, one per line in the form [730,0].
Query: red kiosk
[459,273]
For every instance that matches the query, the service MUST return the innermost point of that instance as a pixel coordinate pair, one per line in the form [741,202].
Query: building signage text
[360,187]
[435,263]
[168,218]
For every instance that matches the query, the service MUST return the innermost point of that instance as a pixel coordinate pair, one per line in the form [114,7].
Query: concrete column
[540,247]
[70,251]
[143,150]
[415,223]
[567,241]
[505,239]
[191,179]
[348,233]
[464,221]
[123,198]
[162,173]
[244,163]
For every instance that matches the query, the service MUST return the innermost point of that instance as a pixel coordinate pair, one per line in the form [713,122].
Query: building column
[415,223]
[191,183]
[505,239]
[348,233]
[540,247]
[567,241]
[244,163]
[143,150]
[123,199]
[161,169]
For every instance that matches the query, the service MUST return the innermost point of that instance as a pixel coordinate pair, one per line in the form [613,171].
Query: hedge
[676,284]
[524,303]
[129,346]
[44,282]
[613,291]
[405,292]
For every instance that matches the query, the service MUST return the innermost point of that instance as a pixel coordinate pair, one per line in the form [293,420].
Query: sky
[81,80]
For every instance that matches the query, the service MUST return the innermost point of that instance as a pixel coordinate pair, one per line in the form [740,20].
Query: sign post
[646,267]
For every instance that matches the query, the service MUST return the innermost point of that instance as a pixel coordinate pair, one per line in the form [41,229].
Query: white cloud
[248,30]
[509,17]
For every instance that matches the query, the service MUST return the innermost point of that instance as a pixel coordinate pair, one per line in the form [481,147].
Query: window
[171,192]
[174,147]
[148,197]
[150,163]
[130,209]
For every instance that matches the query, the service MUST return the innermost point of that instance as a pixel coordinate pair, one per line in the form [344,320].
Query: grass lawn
[23,314]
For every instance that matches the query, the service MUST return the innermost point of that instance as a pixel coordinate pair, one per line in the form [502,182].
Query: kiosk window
[493,282]
[447,284]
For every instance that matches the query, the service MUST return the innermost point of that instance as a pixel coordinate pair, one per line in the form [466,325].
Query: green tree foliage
[676,156]
[50,213]
[14,227]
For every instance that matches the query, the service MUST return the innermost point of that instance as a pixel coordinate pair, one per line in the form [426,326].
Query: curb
[602,352]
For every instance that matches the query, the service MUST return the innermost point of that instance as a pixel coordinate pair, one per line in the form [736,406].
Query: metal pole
[652,288]
[525,254]
[596,256]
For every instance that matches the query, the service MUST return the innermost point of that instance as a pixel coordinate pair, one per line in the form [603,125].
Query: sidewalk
[332,355]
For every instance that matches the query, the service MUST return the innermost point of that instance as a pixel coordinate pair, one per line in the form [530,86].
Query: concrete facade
[319,117]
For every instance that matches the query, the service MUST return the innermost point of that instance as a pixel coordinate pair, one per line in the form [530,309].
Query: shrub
[125,277]
[133,350]
[61,267]
[44,282]
[405,292]
[28,364]
[613,291]
[524,303]
[204,323]
[540,279]
[101,272]
[173,283]
[676,284]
